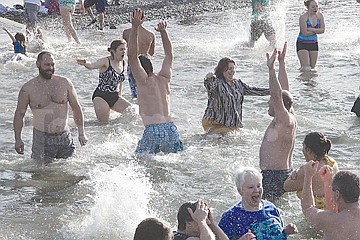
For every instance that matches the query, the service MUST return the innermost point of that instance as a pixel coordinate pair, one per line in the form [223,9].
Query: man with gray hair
[252,217]
[342,192]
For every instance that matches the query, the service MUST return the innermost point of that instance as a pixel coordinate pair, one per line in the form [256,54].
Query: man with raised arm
[146,46]
[343,221]
[160,134]
[279,139]
[49,97]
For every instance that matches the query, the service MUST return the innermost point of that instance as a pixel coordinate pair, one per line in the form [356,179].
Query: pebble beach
[119,14]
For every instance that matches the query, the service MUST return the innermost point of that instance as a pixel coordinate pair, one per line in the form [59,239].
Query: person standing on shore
[100,8]
[49,97]
[146,46]
[32,8]
[67,8]
[278,143]
[261,22]
[311,24]
[107,95]
[160,134]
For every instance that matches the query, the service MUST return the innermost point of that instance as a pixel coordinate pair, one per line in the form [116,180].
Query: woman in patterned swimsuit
[107,95]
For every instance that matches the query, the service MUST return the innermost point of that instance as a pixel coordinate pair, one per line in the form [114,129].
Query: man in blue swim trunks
[160,134]
[278,143]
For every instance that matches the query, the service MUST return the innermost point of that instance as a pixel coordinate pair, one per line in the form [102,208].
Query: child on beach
[18,41]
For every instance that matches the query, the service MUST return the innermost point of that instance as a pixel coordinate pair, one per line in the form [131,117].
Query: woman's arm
[101,63]
[295,181]
[10,35]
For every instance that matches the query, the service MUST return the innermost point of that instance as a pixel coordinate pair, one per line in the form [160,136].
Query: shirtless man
[160,132]
[146,46]
[278,143]
[343,222]
[48,96]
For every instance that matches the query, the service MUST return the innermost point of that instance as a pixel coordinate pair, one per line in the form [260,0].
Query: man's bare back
[146,38]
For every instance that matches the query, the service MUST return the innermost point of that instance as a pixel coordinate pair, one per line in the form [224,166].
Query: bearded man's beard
[46,74]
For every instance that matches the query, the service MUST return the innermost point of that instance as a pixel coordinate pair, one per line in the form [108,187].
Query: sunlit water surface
[103,193]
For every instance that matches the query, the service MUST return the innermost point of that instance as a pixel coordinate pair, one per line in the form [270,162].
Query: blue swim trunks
[132,82]
[162,137]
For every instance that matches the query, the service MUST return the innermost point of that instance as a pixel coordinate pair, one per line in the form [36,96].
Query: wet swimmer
[18,41]
[316,147]
[253,217]
[342,191]
[223,114]
[107,95]
[160,134]
[276,150]
[49,97]
[311,24]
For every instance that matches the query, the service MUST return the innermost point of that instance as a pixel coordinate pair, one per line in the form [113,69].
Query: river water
[103,193]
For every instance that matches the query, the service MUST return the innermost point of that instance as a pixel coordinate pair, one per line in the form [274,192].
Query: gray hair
[242,172]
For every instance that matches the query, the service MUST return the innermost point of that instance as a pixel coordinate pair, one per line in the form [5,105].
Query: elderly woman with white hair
[253,217]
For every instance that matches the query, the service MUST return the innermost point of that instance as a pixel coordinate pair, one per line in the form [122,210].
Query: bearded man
[49,96]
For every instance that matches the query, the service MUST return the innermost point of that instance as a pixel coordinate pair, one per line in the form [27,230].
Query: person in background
[146,45]
[153,229]
[18,41]
[261,22]
[342,220]
[223,113]
[32,8]
[100,8]
[49,97]
[253,217]
[160,134]
[195,222]
[67,8]
[311,24]
[356,107]
[107,95]
[276,150]
[315,147]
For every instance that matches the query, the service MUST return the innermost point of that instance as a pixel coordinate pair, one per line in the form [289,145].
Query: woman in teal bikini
[311,24]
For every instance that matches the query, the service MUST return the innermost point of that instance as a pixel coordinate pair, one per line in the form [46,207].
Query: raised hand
[311,168]
[162,25]
[326,173]
[281,55]
[137,18]
[271,60]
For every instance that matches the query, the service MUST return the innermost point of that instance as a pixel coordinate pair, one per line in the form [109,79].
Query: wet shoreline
[119,14]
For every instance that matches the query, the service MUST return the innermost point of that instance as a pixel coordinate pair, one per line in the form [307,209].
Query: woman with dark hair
[225,97]
[311,23]
[315,147]
[107,95]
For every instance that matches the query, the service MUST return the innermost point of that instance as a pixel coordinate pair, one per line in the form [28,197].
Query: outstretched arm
[101,63]
[281,113]
[283,78]
[10,35]
[166,69]
[139,73]
[327,174]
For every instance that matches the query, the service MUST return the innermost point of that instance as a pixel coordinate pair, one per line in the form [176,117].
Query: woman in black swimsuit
[107,95]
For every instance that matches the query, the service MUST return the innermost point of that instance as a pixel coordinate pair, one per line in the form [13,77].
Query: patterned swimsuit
[108,88]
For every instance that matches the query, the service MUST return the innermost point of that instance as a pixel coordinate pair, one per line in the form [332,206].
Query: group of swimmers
[51,94]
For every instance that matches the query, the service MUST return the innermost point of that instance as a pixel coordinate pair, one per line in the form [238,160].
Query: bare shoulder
[126,34]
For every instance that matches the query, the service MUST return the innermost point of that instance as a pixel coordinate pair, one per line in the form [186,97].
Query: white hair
[242,172]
